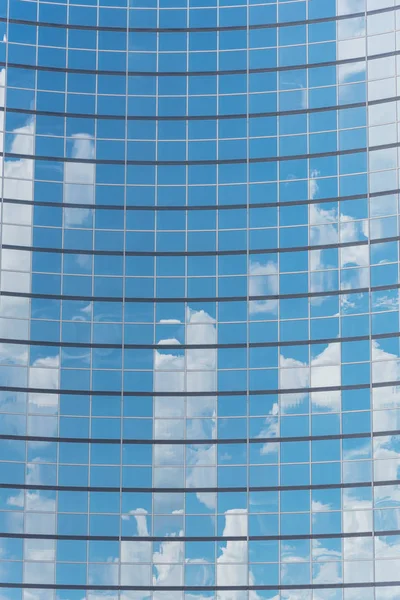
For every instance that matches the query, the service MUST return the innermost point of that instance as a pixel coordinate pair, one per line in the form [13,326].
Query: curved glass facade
[199,315]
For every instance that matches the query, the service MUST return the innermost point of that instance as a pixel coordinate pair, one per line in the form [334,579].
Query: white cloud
[170,321]
[200,376]
[37,549]
[17,223]
[351,42]
[324,371]
[263,281]
[317,506]
[313,186]
[79,180]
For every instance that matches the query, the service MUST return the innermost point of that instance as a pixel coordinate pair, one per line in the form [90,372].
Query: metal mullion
[155,225]
[217,304]
[339,271]
[120,533]
[3,133]
[218,9]
[248,173]
[309,282]
[370,322]
[278,197]
[24,493]
[62,263]
[185,354]
[93,294]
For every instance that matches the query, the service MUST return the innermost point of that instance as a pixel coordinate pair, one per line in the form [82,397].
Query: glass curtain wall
[199,309]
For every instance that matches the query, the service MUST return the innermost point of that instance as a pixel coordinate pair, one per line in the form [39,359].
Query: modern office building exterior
[199,309]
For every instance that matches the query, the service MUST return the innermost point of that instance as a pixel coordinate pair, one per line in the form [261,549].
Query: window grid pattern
[199,309]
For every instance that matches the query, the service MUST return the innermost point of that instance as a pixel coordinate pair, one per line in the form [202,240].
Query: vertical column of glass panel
[11,356]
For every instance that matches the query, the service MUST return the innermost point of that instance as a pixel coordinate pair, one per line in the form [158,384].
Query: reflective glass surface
[199,307]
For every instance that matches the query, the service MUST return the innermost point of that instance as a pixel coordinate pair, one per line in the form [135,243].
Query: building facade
[199,316]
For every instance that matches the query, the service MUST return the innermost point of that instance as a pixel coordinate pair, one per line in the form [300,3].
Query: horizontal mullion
[219,538]
[201,29]
[205,252]
[219,117]
[228,161]
[223,117]
[162,346]
[200,442]
[162,394]
[207,207]
[213,489]
[182,588]
[331,63]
